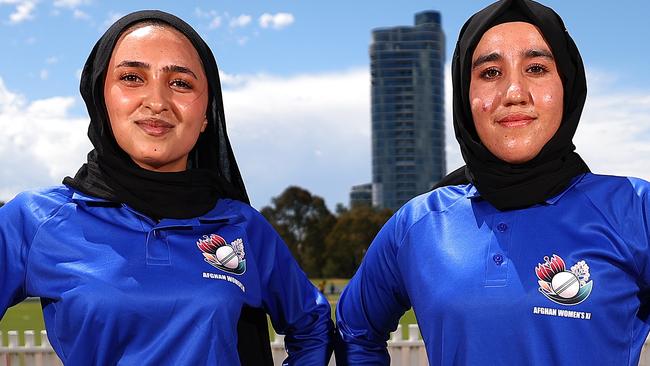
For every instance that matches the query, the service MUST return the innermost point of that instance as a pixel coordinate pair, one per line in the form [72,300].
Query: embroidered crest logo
[562,286]
[219,254]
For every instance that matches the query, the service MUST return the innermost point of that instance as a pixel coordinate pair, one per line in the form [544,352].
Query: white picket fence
[28,354]
[403,352]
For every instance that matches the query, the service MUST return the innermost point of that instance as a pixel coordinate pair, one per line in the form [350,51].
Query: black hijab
[111,174]
[511,186]
[212,170]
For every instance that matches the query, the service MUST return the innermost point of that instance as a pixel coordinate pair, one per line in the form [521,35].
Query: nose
[517,92]
[156,98]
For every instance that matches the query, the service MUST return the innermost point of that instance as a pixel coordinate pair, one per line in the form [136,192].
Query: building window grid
[398,72]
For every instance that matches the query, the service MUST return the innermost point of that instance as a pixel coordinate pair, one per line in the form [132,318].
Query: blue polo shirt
[120,288]
[560,283]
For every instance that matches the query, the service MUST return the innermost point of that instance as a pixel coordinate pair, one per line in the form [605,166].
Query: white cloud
[8,100]
[215,18]
[51,60]
[276,21]
[242,40]
[240,21]
[24,11]
[309,130]
[43,74]
[614,132]
[215,22]
[40,143]
[73,6]
[70,4]
[204,13]
[230,81]
[111,18]
[78,14]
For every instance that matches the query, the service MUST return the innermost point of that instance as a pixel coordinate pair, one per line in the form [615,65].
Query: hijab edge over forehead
[111,174]
[506,185]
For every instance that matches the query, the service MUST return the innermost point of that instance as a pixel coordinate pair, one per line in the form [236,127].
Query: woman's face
[156,95]
[515,92]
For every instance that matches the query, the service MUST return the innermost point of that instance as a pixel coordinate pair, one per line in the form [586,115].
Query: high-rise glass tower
[408,133]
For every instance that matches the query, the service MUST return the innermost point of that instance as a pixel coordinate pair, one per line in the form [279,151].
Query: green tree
[303,221]
[350,238]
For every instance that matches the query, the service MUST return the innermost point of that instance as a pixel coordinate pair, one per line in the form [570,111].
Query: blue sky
[296,89]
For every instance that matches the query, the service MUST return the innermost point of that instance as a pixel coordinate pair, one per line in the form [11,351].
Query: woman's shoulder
[609,187]
[620,200]
[437,200]
[43,197]
[39,203]
[235,208]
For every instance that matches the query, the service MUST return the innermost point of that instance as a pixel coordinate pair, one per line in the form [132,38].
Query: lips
[516,120]
[154,127]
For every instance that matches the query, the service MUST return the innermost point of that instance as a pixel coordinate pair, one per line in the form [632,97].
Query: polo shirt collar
[473,193]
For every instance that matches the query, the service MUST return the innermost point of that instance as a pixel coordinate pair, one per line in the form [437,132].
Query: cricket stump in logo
[562,286]
[221,255]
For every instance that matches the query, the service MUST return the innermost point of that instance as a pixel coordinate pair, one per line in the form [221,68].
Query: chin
[515,151]
[511,157]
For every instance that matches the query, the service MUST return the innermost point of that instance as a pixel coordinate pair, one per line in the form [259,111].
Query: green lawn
[24,316]
[28,315]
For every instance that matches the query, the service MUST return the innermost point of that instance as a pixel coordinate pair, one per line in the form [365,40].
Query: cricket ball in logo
[219,254]
[562,286]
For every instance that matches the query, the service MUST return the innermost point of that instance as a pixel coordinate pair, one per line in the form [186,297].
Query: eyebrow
[490,57]
[495,56]
[168,68]
[179,69]
[539,53]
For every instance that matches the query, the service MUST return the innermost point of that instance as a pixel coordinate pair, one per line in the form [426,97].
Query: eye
[490,73]
[537,69]
[131,78]
[182,84]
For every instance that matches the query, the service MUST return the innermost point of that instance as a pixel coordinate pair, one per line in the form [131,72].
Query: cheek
[482,108]
[481,105]
[193,109]
[483,100]
[550,103]
[120,103]
[547,101]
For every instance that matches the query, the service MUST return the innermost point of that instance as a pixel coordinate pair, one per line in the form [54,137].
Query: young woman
[536,261]
[149,254]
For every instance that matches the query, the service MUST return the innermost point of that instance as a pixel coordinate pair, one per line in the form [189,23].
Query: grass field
[28,315]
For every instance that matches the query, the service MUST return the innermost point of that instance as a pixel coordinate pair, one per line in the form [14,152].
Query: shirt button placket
[497,266]
[157,248]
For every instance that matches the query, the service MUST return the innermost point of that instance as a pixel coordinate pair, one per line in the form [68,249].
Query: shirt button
[498,259]
[502,227]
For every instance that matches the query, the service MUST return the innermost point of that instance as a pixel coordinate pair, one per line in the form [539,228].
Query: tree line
[325,244]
